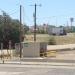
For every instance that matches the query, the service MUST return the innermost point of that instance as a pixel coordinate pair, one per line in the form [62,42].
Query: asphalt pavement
[16,69]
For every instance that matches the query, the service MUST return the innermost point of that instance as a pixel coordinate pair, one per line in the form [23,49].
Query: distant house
[57,31]
[38,28]
[31,28]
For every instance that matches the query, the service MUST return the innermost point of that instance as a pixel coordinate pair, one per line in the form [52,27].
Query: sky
[54,12]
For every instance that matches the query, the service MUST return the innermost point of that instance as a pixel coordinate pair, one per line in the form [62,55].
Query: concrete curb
[46,60]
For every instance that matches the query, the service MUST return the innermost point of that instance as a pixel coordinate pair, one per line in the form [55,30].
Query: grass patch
[66,39]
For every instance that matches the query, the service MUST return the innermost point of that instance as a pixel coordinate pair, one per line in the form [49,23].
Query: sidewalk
[38,63]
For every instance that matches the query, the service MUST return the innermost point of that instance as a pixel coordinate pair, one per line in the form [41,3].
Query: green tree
[9,30]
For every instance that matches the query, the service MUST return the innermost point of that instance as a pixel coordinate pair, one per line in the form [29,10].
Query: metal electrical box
[33,49]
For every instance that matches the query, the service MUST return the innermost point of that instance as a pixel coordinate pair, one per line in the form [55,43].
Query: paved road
[9,69]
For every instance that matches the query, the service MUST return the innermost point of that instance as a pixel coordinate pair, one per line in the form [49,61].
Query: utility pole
[20,31]
[34,15]
[35,24]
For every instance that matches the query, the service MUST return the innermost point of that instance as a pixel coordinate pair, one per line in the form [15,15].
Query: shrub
[52,41]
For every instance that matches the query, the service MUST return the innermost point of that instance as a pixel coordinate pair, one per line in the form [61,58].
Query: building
[57,31]
[38,28]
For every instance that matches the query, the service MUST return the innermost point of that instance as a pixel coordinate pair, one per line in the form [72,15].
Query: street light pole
[72,20]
